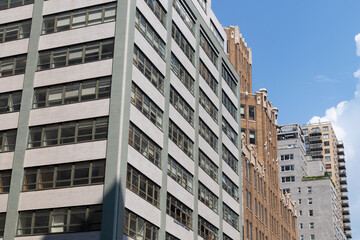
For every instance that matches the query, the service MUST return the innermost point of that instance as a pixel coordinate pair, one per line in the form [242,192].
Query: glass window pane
[88,90]
[92,52]
[107,49]
[59,58]
[50,136]
[98,172]
[67,133]
[20,65]
[4,103]
[24,224]
[30,176]
[81,175]
[6,67]
[72,93]
[44,60]
[39,98]
[95,15]
[48,25]
[75,55]
[46,178]
[101,128]
[58,220]
[63,22]
[77,219]
[104,88]
[79,19]
[55,96]
[15,101]
[110,12]
[15,3]
[11,32]
[24,31]
[85,131]
[63,176]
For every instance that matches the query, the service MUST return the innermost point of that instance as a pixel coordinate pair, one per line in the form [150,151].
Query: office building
[268,213]
[119,120]
[321,143]
[305,179]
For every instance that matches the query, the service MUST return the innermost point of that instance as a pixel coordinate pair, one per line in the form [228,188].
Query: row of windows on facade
[260,211]
[252,136]
[258,182]
[139,228]
[55,95]
[5,4]
[57,176]
[251,112]
[60,22]
[60,57]
[57,220]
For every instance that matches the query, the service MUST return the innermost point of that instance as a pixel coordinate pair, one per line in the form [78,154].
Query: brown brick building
[268,213]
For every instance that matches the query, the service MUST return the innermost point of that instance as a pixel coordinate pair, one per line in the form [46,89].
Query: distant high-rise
[268,213]
[321,143]
[306,180]
[119,120]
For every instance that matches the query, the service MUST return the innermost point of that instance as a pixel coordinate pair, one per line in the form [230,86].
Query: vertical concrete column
[117,144]
[164,153]
[23,124]
[196,126]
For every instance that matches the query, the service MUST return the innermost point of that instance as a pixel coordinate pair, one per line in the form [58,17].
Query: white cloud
[345,118]
[325,79]
[357,40]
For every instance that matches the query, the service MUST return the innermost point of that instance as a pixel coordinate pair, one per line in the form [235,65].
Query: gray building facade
[118,121]
[305,179]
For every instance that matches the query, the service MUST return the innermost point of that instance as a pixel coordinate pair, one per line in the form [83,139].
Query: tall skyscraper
[306,180]
[321,143]
[119,120]
[268,213]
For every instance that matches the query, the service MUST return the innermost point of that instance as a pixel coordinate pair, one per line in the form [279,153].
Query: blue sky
[304,53]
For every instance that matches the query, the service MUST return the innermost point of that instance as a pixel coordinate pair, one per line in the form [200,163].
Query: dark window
[76,54]
[181,139]
[208,77]
[148,108]
[180,174]
[79,18]
[14,31]
[179,211]
[183,43]
[144,145]
[142,186]
[74,219]
[87,90]
[5,177]
[139,228]
[149,70]
[206,230]
[182,73]
[12,66]
[69,132]
[5,4]
[7,140]
[150,34]
[158,10]
[181,106]
[65,175]
[251,113]
[208,49]
[10,102]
